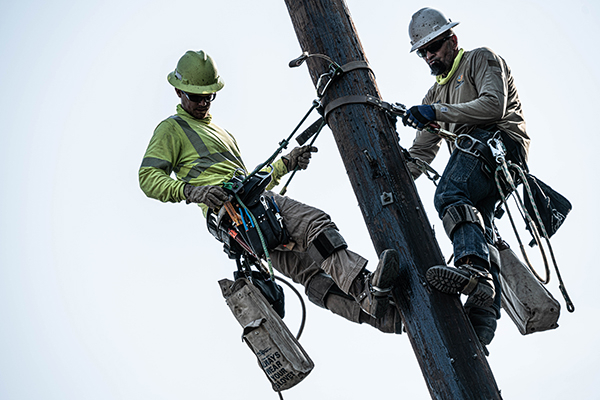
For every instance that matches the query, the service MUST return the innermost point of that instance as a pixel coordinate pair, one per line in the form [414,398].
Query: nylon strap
[353,65]
[471,285]
[355,99]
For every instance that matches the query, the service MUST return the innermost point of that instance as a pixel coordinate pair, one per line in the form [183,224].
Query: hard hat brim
[194,89]
[433,35]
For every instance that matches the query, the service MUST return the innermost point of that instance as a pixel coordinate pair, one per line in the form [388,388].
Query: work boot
[389,323]
[345,306]
[484,322]
[472,280]
[371,290]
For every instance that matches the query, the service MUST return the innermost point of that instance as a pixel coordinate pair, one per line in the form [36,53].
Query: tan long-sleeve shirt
[480,93]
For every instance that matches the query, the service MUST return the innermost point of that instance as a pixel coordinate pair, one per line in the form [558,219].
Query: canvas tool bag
[278,353]
[526,301]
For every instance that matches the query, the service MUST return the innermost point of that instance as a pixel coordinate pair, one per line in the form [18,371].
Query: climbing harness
[508,176]
[251,224]
[492,153]
[257,222]
[394,110]
[248,226]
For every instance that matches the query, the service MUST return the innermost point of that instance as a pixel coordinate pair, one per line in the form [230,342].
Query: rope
[528,221]
[503,168]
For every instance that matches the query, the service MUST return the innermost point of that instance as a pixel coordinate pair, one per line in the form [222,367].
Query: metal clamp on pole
[335,70]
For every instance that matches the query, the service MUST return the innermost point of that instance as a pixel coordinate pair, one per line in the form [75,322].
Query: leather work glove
[212,196]
[419,116]
[300,157]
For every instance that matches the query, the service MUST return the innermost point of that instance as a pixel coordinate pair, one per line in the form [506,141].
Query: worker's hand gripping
[299,157]
[419,116]
[212,196]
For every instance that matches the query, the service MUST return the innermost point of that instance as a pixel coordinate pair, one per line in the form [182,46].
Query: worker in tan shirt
[474,96]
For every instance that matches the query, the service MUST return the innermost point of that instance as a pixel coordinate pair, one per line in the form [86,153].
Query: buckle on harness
[470,145]
[485,152]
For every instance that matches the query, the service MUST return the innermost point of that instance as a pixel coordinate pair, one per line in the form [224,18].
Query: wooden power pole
[448,351]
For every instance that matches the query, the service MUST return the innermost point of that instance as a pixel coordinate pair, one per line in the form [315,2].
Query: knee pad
[320,286]
[460,214]
[325,244]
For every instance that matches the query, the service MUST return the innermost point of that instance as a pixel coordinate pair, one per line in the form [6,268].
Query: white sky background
[106,294]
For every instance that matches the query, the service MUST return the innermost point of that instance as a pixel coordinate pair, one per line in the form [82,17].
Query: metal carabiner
[398,109]
[498,149]
[333,73]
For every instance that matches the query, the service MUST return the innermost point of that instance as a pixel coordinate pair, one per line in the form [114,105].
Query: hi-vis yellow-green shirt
[197,151]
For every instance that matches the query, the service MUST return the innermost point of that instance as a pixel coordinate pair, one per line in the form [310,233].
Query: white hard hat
[426,25]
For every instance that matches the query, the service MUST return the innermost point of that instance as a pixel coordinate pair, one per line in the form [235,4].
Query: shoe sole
[452,282]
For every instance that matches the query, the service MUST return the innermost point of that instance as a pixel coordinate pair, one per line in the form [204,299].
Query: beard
[438,68]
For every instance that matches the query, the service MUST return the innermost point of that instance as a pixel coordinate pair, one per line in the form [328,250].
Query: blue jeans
[464,181]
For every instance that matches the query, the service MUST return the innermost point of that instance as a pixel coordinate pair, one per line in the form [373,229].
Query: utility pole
[448,351]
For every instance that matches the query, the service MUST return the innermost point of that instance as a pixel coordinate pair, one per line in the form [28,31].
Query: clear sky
[106,294]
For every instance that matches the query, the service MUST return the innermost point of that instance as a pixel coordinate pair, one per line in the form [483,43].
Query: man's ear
[454,40]
[178,92]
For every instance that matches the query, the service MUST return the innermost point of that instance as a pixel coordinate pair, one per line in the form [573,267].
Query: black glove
[300,157]
[419,116]
[212,196]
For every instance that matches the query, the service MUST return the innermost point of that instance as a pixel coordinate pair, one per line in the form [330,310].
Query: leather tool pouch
[266,214]
[551,205]
[265,211]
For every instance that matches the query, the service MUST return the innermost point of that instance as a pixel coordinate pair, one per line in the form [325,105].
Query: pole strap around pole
[356,99]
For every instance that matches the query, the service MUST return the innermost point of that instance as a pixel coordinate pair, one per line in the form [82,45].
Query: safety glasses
[433,47]
[199,98]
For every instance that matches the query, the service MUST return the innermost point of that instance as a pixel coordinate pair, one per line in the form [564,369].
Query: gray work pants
[304,223]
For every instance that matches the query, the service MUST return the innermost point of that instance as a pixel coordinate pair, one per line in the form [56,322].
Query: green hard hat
[196,73]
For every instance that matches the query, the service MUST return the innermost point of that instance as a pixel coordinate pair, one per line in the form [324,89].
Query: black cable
[301,329]
[302,304]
